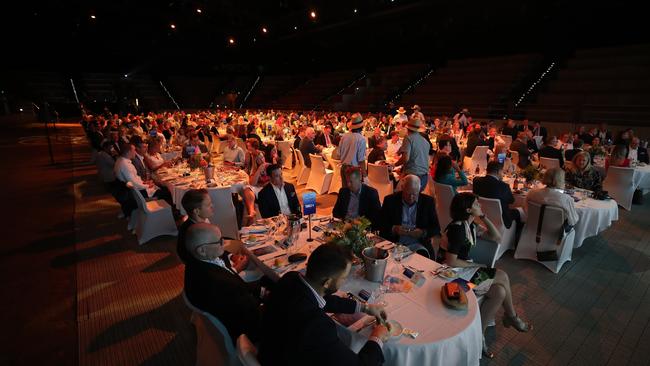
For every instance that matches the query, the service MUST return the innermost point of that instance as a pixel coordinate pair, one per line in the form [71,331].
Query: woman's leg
[501,279]
[493,300]
[249,202]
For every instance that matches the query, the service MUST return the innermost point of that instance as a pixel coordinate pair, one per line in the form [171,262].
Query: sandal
[517,323]
[486,351]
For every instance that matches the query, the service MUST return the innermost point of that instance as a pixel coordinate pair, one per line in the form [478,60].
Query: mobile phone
[364,294]
[408,273]
[501,158]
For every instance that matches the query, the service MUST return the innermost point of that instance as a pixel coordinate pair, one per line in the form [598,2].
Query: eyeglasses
[219,242]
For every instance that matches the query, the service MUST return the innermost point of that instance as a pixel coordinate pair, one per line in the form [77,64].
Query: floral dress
[587,179]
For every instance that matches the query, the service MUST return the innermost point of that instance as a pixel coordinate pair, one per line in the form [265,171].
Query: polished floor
[81,290]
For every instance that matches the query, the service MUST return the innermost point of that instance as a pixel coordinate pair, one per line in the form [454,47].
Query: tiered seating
[195,92]
[600,85]
[371,93]
[98,87]
[482,85]
[150,93]
[316,90]
[272,87]
[49,85]
[234,90]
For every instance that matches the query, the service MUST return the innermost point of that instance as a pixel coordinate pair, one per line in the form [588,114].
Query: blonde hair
[587,156]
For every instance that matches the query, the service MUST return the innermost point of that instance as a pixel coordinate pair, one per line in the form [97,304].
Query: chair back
[549,163]
[507,139]
[491,207]
[337,183]
[214,344]
[142,203]
[284,147]
[317,164]
[378,179]
[480,154]
[444,194]
[514,155]
[224,215]
[619,184]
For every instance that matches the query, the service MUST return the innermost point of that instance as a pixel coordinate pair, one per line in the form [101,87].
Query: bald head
[200,234]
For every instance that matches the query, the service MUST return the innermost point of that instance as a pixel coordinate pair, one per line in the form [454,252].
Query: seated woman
[462,235]
[377,153]
[255,166]
[582,174]
[553,194]
[445,173]
[618,157]
[153,159]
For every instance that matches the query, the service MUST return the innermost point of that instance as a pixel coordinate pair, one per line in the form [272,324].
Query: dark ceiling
[132,35]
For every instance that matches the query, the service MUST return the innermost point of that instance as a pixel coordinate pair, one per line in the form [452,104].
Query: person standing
[415,153]
[352,148]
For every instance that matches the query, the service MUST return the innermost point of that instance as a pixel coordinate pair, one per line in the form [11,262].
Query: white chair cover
[619,184]
[444,194]
[551,229]
[247,351]
[284,147]
[336,183]
[507,139]
[217,145]
[155,218]
[514,155]
[378,179]
[225,215]
[303,175]
[548,163]
[320,178]
[492,209]
[479,157]
[214,345]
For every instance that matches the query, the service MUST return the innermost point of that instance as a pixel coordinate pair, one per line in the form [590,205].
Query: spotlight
[93,17]
[295,27]
[21,109]
[199,11]
[264,30]
[231,40]
[355,11]
[173,26]
[126,76]
[312,14]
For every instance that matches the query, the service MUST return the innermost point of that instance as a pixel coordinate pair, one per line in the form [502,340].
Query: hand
[416,233]
[377,311]
[381,332]
[454,165]
[239,262]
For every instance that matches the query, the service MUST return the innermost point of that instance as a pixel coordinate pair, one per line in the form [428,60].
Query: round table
[595,216]
[642,177]
[446,336]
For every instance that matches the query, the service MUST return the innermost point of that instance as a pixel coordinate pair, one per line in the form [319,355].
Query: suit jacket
[569,154]
[139,167]
[296,331]
[225,295]
[268,202]
[552,153]
[490,187]
[474,140]
[369,205]
[320,139]
[425,218]
[524,153]
[181,250]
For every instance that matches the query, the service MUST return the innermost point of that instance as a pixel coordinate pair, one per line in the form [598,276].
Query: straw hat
[416,107]
[414,124]
[401,110]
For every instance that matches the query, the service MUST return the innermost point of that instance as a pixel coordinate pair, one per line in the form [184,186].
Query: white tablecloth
[446,336]
[595,216]
[167,156]
[642,177]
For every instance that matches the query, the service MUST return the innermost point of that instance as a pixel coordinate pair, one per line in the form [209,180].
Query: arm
[268,272]
[492,232]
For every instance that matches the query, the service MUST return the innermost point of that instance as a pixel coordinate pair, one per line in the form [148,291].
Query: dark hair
[548,139]
[255,144]
[443,166]
[352,170]
[125,147]
[193,199]
[578,143]
[494,167]
[460,204]
[106,145]
[136,140]
[327,261]
[443,143]
[271,168]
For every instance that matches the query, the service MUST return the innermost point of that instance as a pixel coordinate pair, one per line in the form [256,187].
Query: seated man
[357,199]
[198,206]
[493,186]
[232,153]
[377,153]
[212,283]
[325,137]
[194,146]
[520,145]
[296,328]
[635,152]
[277,197]
[409,217]
[307,146]
[550,151]
[125,172]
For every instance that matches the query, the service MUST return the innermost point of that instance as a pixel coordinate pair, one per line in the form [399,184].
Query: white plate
[445,275]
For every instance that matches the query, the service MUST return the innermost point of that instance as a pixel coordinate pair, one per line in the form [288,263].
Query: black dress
[459,244]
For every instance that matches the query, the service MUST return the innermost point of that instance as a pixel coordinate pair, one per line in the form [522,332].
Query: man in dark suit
[539,130]
[212,283]
[296,329]
[550,151]
[474,139]
[357,199]
[577,147]
[325,137]
[198,206]
[409,217]
[510,129]
[138,161]
[277,196]
[520,145]
[493,186]
[307,146]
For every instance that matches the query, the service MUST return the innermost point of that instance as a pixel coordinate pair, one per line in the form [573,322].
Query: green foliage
[352,234]
[530,173]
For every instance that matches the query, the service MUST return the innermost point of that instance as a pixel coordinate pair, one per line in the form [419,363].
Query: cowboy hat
[401,110]
[416,107]
[357,122]
[414,124]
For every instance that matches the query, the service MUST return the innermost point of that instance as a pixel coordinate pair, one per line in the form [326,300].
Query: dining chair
[619,184]
[320,178]
[225,215]
[303,175]
[284,147]
[478,158]
[337,183]
[549,163]
[379,179]
[154,217]
[444,194]
[492,209]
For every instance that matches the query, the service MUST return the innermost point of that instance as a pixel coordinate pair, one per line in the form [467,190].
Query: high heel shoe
[486,351]
[517,323]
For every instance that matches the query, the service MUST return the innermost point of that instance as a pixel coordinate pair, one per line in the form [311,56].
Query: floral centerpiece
[352,234]
[597,151]
[197,161]
[530,173]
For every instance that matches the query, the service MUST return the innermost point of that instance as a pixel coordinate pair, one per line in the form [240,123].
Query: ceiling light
[126,75]
[173,26]
[355,11]
[264,30]
[295,28]
[312,14]
[231,40]
[198,11]
[93,17]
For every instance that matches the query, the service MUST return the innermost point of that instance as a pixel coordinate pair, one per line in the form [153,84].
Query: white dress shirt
[557,198]
[283,200]
[125,172]
[633,154]
[393,148]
